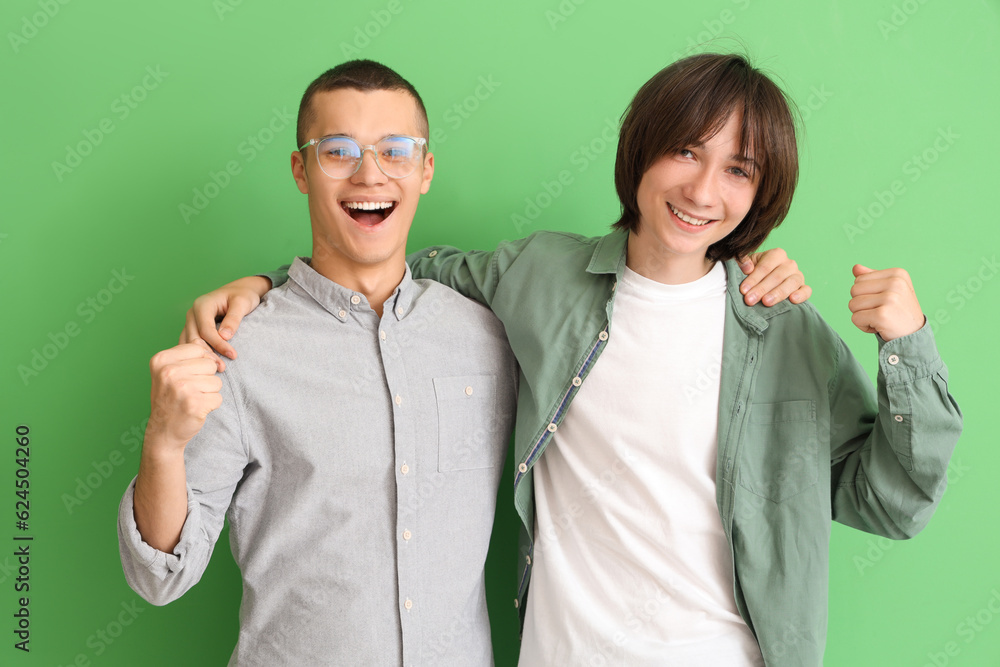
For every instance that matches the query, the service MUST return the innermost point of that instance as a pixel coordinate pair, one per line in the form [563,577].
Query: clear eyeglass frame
[407,167]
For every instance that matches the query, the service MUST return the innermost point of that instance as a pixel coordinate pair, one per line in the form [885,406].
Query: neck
[376,281]
[655,261]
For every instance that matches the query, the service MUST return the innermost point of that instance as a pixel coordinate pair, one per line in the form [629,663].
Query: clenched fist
[885,303]
[185,390]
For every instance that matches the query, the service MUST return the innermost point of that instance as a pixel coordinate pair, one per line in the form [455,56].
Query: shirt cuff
[157,562]
[910,357]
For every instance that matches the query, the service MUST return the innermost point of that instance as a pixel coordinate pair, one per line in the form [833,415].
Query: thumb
[860,270]
[238,309]
[746,264]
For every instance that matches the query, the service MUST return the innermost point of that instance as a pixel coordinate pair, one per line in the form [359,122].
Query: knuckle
[189,405]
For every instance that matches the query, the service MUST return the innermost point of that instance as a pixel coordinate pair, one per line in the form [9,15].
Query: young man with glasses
[681,453]
[357,444]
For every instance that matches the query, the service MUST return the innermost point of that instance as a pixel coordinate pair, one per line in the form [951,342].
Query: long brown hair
[685,104]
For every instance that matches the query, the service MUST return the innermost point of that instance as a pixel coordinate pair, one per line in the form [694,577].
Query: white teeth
[688,219]
[368,205]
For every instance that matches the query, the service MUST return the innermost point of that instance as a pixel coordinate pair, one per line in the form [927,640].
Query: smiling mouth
[369,213]
[696,222]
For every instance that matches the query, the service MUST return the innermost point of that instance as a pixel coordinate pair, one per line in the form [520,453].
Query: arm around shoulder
[475,274]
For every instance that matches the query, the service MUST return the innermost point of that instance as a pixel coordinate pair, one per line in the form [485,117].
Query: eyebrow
[746,161]
[344,134]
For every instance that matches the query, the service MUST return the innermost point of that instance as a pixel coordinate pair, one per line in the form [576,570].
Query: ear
[299,172]
[425,181]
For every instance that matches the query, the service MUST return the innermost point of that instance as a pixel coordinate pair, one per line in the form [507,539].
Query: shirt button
[408,604]
[399,311]
[528,558]
[603,335]
[432,253]
[893,359]
[355,299]
[381,335]
[399,399]
[517,603]
[407,534]
[404,468]
[898,418]
[523,468]
[343,313]
[552,428]
[468,391]
[577,382]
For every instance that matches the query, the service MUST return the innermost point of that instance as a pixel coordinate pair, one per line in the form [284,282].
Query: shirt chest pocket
[470,433]
[780,454]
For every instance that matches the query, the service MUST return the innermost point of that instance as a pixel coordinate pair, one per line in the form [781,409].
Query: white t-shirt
[631,566]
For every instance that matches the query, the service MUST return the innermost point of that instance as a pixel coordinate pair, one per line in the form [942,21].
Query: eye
[395,153]
[736,171]
[684,152]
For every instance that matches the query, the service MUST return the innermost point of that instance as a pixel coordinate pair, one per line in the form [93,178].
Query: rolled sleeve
[214,462]
[147,569]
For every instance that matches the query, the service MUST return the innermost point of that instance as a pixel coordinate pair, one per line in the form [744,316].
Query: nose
[368,172]
[701,188]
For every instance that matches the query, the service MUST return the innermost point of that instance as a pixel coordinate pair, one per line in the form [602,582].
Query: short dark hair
[364,75]
[687,103]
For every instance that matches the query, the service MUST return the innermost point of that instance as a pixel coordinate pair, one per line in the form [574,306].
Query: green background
[877,82]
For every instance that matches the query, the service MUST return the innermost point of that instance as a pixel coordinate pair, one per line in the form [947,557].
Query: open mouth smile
[369,213]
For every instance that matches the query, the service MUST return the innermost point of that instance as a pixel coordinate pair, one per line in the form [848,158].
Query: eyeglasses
[340,157]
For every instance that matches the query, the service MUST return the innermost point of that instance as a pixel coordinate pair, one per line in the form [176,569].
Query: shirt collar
[340,301]
[610,254]
[756,316]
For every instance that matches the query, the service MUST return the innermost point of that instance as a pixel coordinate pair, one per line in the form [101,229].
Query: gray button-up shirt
[357,459]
